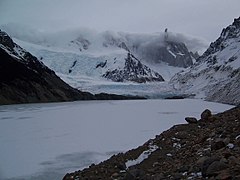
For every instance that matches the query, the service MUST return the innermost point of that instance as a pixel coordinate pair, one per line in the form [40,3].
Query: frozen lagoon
[45,141]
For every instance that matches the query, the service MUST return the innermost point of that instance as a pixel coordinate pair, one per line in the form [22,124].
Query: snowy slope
[216,73]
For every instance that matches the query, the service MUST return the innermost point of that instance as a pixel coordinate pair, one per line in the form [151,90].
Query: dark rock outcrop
[185,151]
[173,53]
[206,114]
[230,32]
[133,70]
[191,120]
[155,50]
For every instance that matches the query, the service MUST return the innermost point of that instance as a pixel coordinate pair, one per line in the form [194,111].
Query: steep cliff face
[23,79]
[161,48]
[133,70]
[173,53]
[216,73]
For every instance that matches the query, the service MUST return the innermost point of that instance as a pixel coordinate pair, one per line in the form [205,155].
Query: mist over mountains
[86,58]
[96,38]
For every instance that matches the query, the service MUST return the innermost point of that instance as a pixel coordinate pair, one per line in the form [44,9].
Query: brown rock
[206,114]
[201,160]
[207,162]
[233,160]
[215,168]
[224,175]
[219,144]
[191,120]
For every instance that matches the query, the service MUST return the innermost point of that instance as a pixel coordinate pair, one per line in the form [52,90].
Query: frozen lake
[45,141]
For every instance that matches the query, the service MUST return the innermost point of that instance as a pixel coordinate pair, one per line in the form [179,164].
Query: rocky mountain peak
[228,33]
[216,73]
[168,51]
[133,70]
[181,57]
[231,31]
[5,40]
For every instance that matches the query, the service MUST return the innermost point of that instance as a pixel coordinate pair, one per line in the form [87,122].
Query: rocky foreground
[208,148]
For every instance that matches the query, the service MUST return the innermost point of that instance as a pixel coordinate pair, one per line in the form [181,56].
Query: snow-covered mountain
[162,47]
[133,70]
[24,79]
[112,62]
[216,74]
[150,49]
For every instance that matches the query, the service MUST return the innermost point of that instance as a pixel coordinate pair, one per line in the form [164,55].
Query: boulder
[206,114]
[191,120]
[215,168]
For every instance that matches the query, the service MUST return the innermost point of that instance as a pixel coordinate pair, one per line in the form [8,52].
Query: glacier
[86,77]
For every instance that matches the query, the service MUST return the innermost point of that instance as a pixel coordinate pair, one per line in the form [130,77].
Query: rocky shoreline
[208,148]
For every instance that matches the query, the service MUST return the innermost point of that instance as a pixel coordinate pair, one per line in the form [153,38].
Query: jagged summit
[216,73]
[6,40]
[133,70]
[162,48]
[228,33]
[174,53]
[232,31]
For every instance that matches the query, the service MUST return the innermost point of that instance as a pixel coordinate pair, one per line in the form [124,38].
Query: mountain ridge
[134,71]
[150,49]
[216,73]
[24,79]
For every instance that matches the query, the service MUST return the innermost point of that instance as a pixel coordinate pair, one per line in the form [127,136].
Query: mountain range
[216,74]
[113,62]
[104,62]
[79,53]
[25,79]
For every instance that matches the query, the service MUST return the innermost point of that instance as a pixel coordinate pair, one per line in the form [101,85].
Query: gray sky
[200,18]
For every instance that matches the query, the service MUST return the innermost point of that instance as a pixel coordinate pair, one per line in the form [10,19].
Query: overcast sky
[200,18]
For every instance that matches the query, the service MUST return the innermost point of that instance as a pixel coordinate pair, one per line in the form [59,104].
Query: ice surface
[45,141]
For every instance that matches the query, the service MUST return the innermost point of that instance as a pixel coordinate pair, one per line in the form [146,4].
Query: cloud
[140,41]
[199,18]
